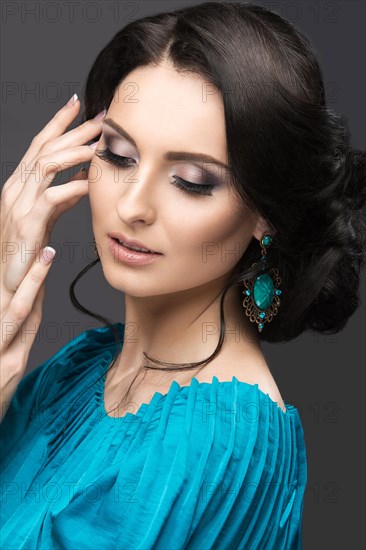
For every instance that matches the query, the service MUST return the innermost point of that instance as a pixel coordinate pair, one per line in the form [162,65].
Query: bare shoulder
[255,371]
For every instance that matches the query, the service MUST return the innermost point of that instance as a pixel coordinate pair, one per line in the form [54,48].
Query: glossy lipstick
[125,255]
[131,243]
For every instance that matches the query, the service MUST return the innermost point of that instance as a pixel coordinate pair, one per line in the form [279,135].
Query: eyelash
[185,186]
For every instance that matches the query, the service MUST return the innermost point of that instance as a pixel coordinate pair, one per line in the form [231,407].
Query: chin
[129,284]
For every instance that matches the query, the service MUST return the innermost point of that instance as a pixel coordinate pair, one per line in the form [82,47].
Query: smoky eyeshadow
[114,143]
[200,174]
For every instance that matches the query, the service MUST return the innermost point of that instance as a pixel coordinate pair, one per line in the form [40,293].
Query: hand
[29,211]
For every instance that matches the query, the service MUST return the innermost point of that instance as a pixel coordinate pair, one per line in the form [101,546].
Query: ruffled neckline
[179,393]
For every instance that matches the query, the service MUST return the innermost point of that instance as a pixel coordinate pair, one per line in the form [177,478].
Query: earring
[262,292]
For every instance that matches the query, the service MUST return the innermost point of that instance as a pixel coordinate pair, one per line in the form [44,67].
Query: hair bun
[355,179]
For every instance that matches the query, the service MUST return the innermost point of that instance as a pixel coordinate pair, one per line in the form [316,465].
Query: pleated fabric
[213,465]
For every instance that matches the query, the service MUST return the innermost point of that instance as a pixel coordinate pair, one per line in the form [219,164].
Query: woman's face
[200,236]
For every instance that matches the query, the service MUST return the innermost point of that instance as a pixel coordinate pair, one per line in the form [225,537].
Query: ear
[260,229]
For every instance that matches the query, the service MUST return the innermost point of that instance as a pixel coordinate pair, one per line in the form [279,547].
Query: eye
[116,160]
[192,188]
[185,186]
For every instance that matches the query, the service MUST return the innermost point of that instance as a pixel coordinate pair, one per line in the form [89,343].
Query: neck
[185,327]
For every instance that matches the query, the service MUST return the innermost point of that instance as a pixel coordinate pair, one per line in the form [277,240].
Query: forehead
[159,106]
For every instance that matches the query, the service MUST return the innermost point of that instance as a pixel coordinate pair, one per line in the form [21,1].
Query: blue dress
[212,465]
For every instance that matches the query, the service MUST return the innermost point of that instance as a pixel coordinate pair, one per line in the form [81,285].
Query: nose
[136,201]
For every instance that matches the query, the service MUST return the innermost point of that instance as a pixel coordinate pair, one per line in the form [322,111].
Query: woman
[216,155]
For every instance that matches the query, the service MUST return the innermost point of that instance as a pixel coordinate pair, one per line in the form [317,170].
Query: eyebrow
[169,155]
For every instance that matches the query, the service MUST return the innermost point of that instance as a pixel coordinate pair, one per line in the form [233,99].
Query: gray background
[47,50]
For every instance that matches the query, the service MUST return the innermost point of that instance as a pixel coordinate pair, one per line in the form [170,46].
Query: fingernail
[100,115]
[48,253]
[93,145]
[72,99]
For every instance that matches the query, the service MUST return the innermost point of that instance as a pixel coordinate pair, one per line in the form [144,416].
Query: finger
[58,198]
[23,300]
[86,131]
[78,136]
[57,125]
[25,334]
[45,170]
[36,228]
[67,205]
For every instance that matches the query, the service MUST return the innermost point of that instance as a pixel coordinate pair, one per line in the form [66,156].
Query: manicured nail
[48,253]
[100,115]
[72,99]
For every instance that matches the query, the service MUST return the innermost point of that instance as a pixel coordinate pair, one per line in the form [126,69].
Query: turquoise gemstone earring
[262,292]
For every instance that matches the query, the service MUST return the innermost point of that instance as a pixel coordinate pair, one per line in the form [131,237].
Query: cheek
[215,236]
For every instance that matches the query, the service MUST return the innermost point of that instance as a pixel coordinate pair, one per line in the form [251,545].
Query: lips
[134,248]
[124,255]
[132,243]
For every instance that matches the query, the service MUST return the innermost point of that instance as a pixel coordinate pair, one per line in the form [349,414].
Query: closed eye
[186,186]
